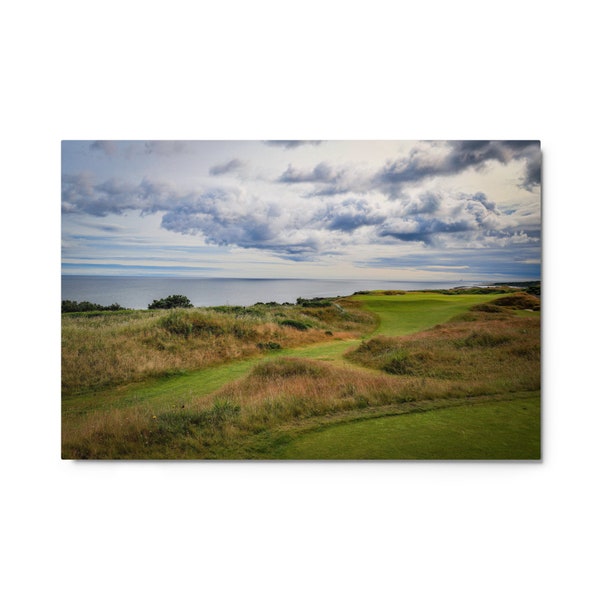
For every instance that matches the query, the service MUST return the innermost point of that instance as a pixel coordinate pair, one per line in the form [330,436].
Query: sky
[395,210]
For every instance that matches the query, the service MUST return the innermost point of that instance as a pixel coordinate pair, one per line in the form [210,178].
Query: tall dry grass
[109,349]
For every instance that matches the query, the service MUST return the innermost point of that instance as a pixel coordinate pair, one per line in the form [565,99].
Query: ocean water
[138,292]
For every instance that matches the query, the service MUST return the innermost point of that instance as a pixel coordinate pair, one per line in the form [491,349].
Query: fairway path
[416,311]
[398,315]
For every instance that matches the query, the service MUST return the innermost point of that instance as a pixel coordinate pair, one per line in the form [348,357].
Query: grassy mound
[119,348]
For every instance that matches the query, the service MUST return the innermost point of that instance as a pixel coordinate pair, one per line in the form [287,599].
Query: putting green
[415,311]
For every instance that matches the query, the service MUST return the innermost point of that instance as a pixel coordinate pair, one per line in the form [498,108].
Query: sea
[139,292]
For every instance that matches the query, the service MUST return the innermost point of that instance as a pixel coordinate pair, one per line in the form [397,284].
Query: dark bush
[69,306]
[175,301]
[398,365]
[268,346]
[314,303]
[295,324]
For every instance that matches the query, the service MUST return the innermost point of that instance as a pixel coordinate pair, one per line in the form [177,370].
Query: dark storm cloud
[462,155]
[228,167]
[291,144]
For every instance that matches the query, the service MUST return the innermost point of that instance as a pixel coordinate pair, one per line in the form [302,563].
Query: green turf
[495,430]
[415,311]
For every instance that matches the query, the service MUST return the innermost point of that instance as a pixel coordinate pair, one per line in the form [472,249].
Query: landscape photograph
[301,300]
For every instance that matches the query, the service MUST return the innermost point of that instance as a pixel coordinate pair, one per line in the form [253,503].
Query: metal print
[352,300]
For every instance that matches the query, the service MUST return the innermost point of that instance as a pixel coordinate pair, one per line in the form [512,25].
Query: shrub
[175,301]
[68,306]
[295,324]
[268,346]
[377,346]
[222,411]
[314,303]
[400,364]
[520,300]
[290,367]
[186,324]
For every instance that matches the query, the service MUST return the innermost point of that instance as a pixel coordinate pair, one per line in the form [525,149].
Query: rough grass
[121,348]
[487,350]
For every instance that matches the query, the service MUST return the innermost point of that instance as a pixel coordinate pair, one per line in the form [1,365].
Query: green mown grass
[415,311]
[495,431]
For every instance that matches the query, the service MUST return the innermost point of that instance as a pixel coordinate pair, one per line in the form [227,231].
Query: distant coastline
[138,291]
[115,293]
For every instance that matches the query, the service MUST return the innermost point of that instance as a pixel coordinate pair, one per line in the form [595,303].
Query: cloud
[469,263]
[222,216]
[291,144]
[427,161]
[422,230]
[322,173]
[426,203]
[349,215]
[438,220]
[169,148]
[107,147]
[228,167]
[327,180]
[313,227]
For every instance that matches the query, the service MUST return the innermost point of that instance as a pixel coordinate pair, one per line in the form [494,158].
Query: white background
[310,70]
